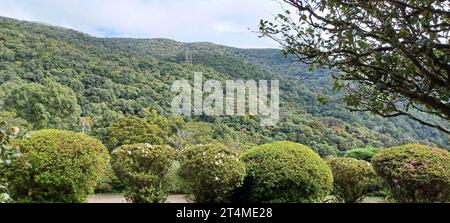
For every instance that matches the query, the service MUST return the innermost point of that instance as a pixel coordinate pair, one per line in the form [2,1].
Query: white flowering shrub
[352,178]
[8,153]
[212,171]
[143,169]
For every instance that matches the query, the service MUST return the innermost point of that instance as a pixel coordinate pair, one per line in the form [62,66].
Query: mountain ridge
[121,76]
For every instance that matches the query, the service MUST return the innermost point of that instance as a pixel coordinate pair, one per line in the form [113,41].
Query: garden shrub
[415,173]
[352,178]
[57,166]
[8,154]
[143,169]
[212,171]
[362,153]
[284,172]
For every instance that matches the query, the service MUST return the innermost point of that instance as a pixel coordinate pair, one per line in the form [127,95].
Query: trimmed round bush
[285,172]
[415,173]
[58,166]
[212,172]
[143,170]
[362,153]
[352,178]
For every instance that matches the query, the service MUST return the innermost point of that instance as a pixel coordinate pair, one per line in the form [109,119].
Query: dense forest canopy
[121,87]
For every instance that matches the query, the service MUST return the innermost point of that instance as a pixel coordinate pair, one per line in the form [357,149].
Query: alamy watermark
[239,97]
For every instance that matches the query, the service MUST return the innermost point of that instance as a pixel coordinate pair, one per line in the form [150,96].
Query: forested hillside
[118,90]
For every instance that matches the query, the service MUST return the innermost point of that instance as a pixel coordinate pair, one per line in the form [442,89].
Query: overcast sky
[220,21]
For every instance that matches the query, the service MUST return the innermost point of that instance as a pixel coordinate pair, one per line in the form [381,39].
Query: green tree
[149,127]
[192,133]
[50,105]
[131,130]
[393,56]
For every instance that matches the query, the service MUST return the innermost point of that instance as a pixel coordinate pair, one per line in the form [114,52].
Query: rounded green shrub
[212,172]
[362,153]
[415,173]
[143,170]
[57,166]
[285,172]
[352,178]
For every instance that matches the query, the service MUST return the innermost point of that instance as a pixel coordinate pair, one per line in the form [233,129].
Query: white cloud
[221,21]
[228,27]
